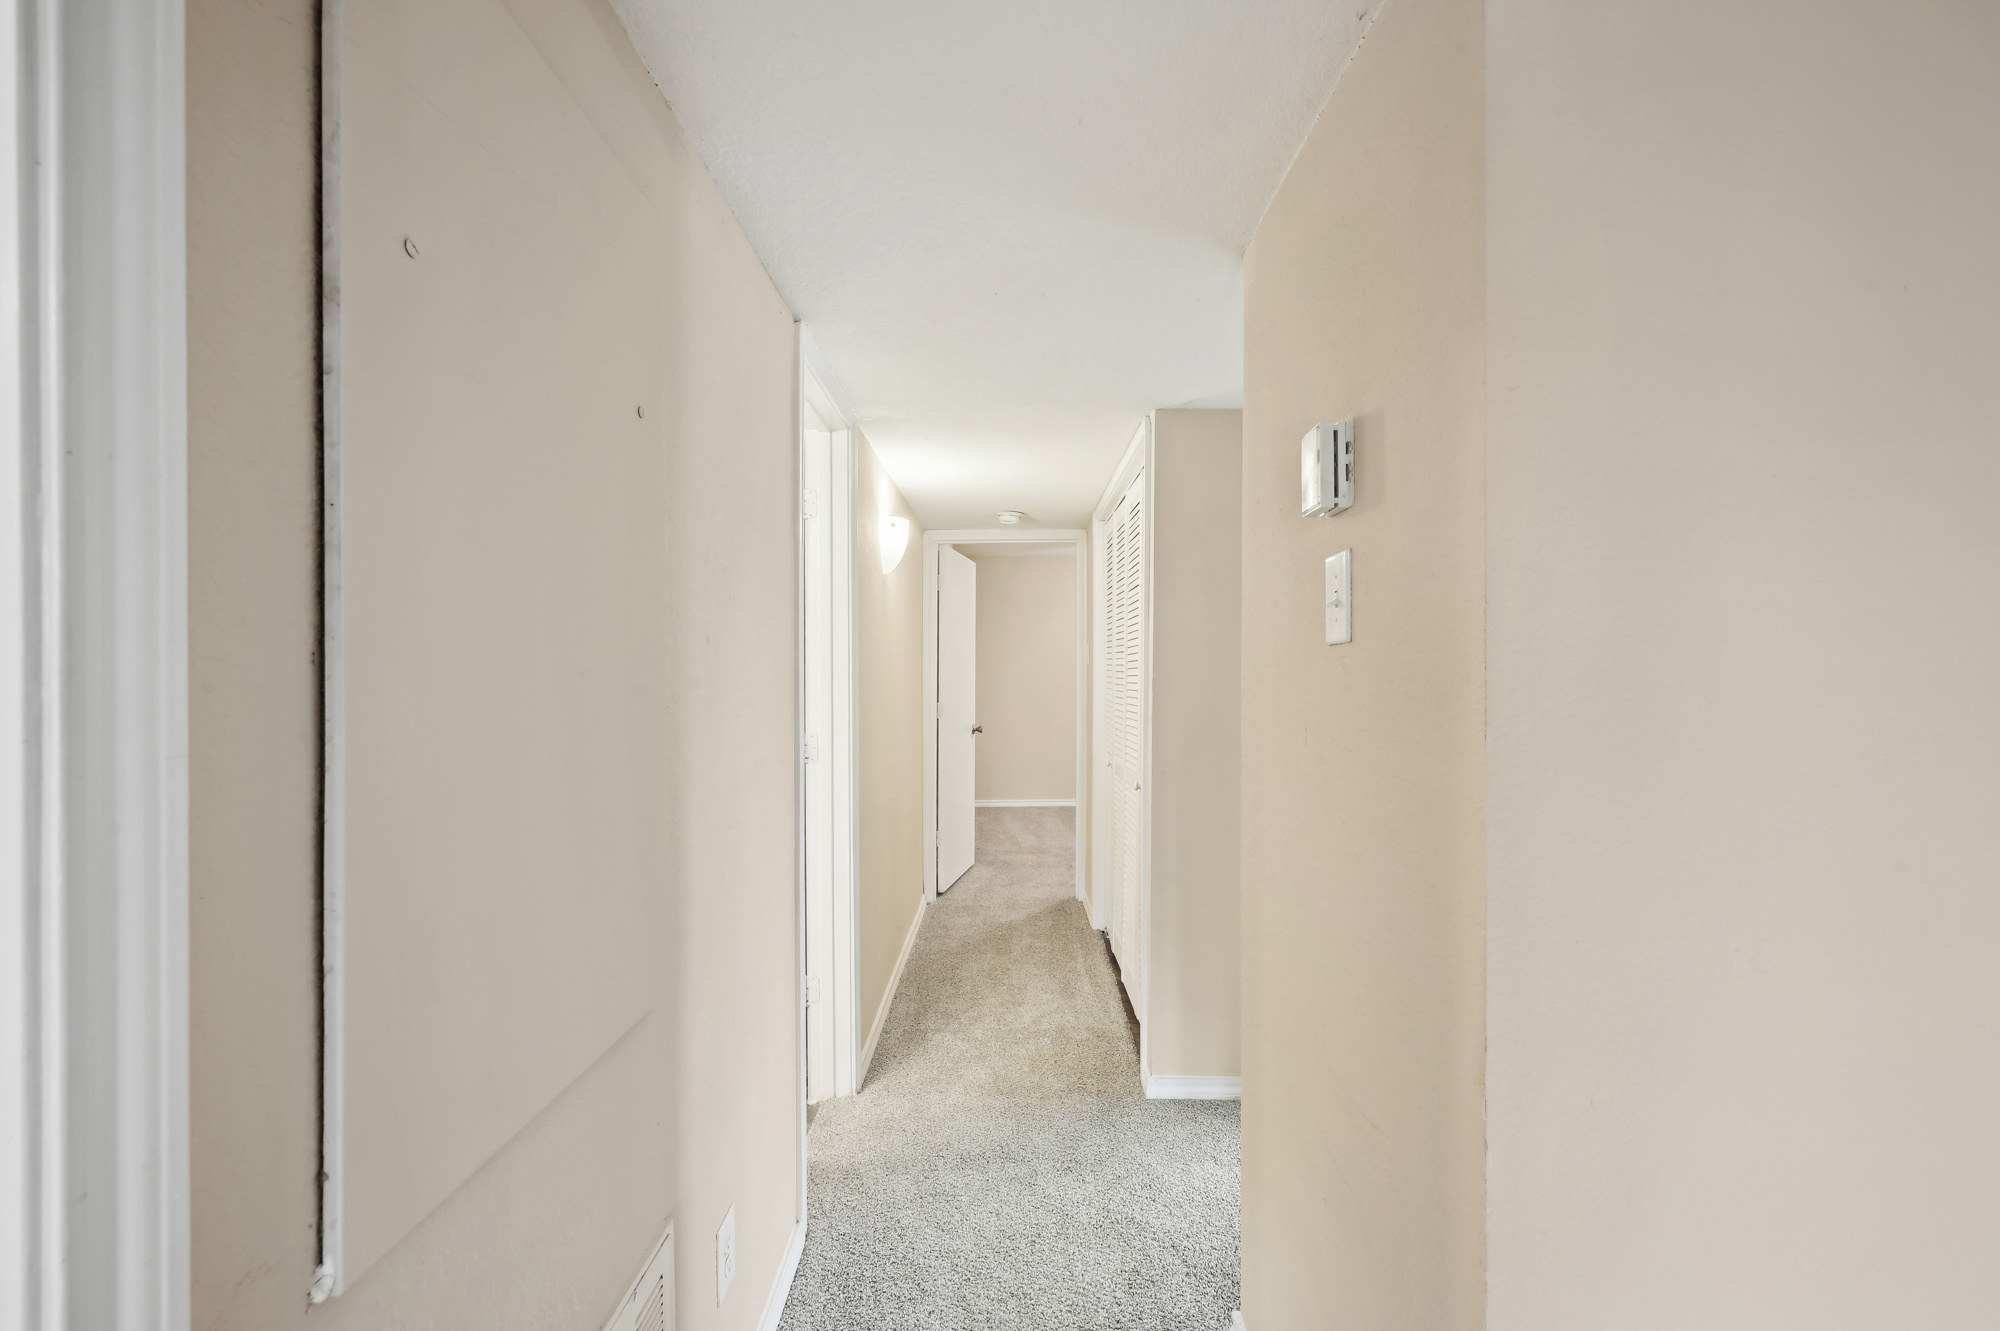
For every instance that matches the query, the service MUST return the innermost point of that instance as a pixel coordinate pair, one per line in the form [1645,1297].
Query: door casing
[828,702]
[1009,535]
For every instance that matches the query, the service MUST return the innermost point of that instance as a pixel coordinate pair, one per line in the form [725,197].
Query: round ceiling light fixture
[1011,516]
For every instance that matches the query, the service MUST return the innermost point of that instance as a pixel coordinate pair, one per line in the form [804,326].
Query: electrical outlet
[725,1256]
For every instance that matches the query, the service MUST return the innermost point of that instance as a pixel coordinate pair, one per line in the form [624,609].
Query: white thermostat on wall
[1326,468]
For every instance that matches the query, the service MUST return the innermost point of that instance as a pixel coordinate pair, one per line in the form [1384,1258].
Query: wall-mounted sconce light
[895,539]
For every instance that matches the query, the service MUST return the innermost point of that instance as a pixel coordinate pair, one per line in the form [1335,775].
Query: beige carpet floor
[1001,1167]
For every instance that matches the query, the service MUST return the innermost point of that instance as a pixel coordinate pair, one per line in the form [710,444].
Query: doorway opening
[826,739]
[1006,687]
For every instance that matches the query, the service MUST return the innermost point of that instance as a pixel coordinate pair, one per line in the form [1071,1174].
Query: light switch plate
[1340,598]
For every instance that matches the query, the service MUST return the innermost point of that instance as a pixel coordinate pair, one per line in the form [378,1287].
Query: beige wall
[1192,1015]
[501,504]
[1026,677]
[889,632]
[253,669]
[1363,766]
[695,1108]
[1743,654]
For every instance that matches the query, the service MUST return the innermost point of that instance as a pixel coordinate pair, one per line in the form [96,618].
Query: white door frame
[1075,538]
[93,666]
[1138,456]
[829,884]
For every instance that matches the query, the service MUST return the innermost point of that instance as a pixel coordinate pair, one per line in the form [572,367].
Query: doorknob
[978,729]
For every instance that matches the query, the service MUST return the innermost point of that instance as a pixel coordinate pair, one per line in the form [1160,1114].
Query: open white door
[957,639]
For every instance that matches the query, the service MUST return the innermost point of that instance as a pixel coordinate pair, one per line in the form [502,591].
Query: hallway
[1421,572]
[1001,1167]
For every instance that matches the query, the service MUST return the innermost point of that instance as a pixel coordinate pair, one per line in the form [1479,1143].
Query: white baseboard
[889,998]
[1194,1088]
[1236,1321]
[774,1307]
[1024,804]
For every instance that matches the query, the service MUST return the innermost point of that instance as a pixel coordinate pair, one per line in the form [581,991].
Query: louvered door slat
[1126,714]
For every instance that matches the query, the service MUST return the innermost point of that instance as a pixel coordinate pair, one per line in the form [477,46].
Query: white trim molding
[329,1277]
[830,885]
[1024,804]
[1194,1088]
[781,1288]
[881,1018]
[94,1215]
[820,370]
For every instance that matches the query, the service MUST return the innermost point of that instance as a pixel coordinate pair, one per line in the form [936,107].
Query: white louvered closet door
[1125,680]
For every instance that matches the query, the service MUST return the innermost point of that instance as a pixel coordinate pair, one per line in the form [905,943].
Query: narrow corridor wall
[889,634]
[1363,764]
[696,1108]
[1193,1016]
[1745,428]
[1026,677]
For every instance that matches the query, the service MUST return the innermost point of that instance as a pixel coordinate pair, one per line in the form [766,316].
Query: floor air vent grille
[649,1304]
[653,1315]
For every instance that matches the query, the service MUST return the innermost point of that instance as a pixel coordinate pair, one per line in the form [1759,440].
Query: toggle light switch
[1340,598]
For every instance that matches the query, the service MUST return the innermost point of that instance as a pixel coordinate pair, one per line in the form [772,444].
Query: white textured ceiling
[1013,226]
